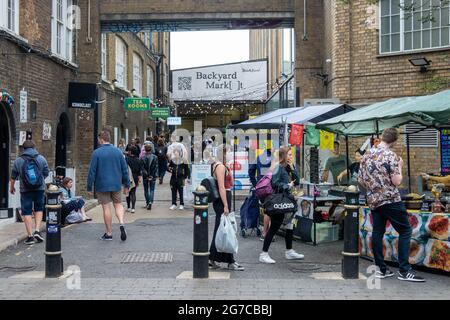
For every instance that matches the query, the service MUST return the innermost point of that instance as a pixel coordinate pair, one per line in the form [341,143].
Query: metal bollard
[350,261]
[53,259]
[201,250]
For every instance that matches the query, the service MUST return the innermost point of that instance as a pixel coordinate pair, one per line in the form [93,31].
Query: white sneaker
[292,255]
[265,258]
[173,207]
[128,210]
[133,211]
[181,207]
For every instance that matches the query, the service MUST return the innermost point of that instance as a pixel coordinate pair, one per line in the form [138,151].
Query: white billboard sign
[174,121]
[243,81]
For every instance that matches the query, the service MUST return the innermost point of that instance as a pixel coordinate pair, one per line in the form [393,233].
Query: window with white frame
[150,82]
[62,28]
[137,74]
[104,56]
[405,30]
[121,63]
[9,15]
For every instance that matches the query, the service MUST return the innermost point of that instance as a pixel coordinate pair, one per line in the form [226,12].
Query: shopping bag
[226,239]
[188,196]
[232,217]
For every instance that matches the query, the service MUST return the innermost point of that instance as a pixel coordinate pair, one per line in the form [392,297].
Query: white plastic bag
[188,196]
[226,239]
[232,217]
[74,217]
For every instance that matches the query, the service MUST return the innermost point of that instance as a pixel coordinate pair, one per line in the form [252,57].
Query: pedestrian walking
[148,141]
[380,174]
[108,172]
[283,180]
[161,153]
[149,163]
[30,169]
[136,172]
[122,145]
[222,174]
[180,172]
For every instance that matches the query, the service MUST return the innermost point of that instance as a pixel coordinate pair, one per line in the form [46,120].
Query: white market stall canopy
[430,111]
[302,115]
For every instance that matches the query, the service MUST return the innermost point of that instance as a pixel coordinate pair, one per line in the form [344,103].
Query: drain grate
[147,257]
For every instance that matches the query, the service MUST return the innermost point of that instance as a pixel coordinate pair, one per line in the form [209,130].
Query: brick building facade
[39,56]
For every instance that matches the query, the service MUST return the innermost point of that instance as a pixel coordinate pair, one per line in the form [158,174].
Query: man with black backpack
[31,169]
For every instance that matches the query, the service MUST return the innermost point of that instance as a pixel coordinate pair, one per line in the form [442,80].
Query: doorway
[62,133]
[4,156]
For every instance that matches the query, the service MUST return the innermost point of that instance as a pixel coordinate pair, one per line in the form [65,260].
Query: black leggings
[132,198]
[213,254]
[275,223]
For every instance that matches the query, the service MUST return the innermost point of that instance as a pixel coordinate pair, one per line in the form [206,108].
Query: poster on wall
[46,131]
[22,137]
[243,81]
[23,106]
[240,168]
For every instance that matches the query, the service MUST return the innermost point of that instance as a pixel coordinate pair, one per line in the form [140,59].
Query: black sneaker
[30,241]
[38,237]
[105,237]
[382,275]
[123,233]
[409,276]
[149,207]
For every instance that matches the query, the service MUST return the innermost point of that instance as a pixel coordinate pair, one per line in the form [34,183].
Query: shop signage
[137,104]
[174,121]
[162,113]
[243,81]
[445,151]
[23,106]
[82,95]
[240,168]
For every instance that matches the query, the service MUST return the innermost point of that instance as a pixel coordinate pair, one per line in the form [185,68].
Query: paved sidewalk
[13,234]
[118,270]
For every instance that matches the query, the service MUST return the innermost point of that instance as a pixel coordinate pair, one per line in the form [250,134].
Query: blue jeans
[397,215]
[149,190]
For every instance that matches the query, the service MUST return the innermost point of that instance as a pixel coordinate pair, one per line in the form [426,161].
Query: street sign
[162,113]
[137,104]
[174,121]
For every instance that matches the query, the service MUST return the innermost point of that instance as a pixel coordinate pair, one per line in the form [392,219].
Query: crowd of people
[114,170]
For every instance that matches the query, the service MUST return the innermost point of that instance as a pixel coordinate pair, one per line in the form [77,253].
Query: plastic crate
[326,232]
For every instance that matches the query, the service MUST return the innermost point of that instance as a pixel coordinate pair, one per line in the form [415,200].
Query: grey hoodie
[17,169]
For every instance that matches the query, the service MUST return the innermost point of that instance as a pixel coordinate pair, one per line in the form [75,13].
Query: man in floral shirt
[381,174]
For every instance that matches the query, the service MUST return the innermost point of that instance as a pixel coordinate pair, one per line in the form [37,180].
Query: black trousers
[177,188]
[131,198]
[213,254]
[276,221]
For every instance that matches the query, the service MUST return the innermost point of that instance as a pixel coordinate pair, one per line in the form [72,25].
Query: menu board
[445,151]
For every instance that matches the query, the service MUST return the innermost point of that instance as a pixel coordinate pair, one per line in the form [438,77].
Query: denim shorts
[30,198]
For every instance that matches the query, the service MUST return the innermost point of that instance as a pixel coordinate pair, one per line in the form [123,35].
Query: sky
[203,48]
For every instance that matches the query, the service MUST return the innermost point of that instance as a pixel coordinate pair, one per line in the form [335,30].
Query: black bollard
[53,259]
[201,250]
[350,261]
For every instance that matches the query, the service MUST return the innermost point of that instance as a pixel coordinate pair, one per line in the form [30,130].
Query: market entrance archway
[6,119]
[193,15]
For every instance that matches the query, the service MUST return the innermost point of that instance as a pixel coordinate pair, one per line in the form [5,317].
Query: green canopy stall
[431,111]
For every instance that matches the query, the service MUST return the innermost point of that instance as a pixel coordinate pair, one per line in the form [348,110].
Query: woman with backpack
[180,172]
[222,174]
[283,180]
[136,171]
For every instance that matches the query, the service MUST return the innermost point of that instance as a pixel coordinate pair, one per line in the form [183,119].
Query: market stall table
[430,241]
